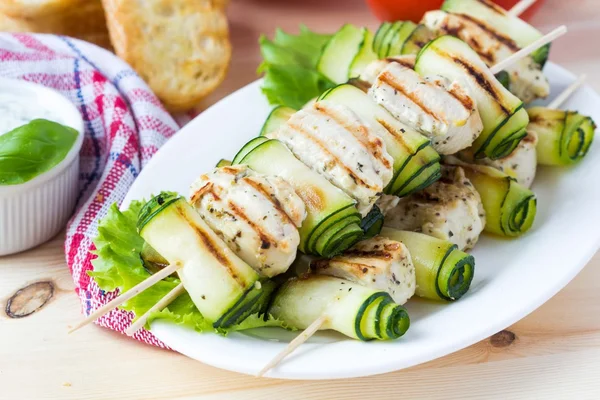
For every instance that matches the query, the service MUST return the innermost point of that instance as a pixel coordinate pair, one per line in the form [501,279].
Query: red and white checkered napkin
[125,124]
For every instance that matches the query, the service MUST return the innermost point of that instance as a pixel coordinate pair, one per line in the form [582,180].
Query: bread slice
[86,22]
[38,8]
[179,47]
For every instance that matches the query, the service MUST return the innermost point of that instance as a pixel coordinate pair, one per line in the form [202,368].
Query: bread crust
[179,47]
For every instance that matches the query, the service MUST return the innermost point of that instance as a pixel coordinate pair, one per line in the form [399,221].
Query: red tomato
[396,10]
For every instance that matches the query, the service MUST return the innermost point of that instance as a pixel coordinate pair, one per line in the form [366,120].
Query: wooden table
[554,353]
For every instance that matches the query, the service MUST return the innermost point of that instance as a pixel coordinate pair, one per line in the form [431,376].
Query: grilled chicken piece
[527,81]
[258,216]
[379,263]
[373,70]
[521,164]
[332,140]
[450,209]
[441,110]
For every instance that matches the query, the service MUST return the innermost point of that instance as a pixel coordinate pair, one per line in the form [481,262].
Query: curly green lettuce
[290,67]
[119,265]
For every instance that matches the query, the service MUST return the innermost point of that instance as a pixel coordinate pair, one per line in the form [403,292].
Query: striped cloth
[125,124]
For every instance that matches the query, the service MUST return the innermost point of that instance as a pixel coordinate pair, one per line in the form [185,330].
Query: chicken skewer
[548,123]
[438,271]
[450,209]
[442,110]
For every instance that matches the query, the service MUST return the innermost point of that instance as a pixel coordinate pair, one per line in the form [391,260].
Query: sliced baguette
[179,47]
[38,8]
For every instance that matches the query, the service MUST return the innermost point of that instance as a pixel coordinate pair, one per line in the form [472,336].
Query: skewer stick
[525,51]
[299,340]
[134,291]
[561,98]
[520,7]
[165,301]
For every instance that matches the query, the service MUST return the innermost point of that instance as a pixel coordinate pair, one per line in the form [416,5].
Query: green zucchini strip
[504,119]
[354,310]
[443,271]
[416,163]
[372,223]
[564,137]
[278,116]
[510,208]
[223,287]
[498,20]
[333,222]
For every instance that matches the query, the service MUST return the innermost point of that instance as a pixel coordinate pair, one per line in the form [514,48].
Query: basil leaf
[32,149]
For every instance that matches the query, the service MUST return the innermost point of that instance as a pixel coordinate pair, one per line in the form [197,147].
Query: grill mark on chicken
[372,146]
[530,138]
[336,159]
[389,79]
[403,62]
[201,192]
[398,137]
[381,254]
[260,188]
[505,40]
[325,264]
[459,95]
[360,84]
[493,7]
[479,78]
[266,239]
[212,247]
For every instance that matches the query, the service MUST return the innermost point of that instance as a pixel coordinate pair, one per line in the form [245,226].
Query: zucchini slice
[564,137]
[354,310]
[223,287]
[277,117]
[397,38]
[333,222]
[498,19]
[378,40]
[443,271]
[503,116]
[416,164]
[372,223]
[346,54]
[510,208]
[223,163]
[419,37]
[248,147]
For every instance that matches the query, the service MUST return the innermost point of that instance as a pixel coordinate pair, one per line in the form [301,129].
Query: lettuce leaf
[119,266]
[290,67]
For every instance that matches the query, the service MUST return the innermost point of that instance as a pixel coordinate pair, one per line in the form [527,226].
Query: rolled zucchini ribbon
[510,208]
[416,163]
[354,310]
[332,224]
[564,137]
[503,116]
[443,271]
[224,288]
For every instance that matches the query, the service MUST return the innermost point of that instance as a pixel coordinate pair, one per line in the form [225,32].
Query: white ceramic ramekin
[35,211]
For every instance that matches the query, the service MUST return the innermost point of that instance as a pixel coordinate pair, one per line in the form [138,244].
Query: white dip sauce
[17,110]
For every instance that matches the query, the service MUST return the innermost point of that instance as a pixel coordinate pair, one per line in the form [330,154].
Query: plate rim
[161,329]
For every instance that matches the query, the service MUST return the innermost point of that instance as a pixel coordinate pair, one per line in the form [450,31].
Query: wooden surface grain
[554,353]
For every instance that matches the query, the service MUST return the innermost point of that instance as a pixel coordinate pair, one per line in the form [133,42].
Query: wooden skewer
[561,98]
[134,291]
[294,344]
[525,51]
[520,7]
[165,301]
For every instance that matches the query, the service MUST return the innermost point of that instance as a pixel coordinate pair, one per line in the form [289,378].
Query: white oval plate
[512,277]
